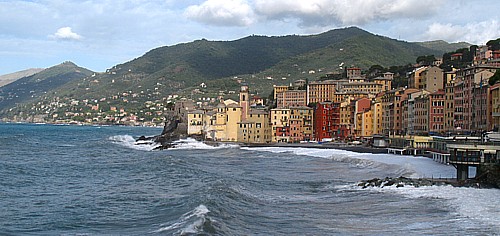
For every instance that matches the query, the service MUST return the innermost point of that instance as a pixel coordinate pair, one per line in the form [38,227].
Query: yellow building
[366,87]
[320,91]
[376,109]
[279,89]
[256,128]
[233,112]
[219,123]
[415,79]
[345,116]
[280,124]
[364,124]
[195,122]
[385,81]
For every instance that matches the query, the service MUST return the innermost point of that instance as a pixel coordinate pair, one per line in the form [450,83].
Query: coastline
[339,146]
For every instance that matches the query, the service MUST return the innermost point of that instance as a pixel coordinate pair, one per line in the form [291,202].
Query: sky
[98,34]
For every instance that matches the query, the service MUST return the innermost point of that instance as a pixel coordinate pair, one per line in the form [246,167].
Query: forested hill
[179,68]
[189,64]
[30,88]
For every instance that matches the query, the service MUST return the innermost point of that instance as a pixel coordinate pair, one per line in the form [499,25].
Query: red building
[327,121]
[436,112]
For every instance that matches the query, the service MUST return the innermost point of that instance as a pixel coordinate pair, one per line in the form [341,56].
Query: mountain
[261,61]
[32,87]
[9,78]
[170,69]
[443,46]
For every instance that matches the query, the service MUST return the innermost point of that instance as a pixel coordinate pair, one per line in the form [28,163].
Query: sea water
[90,180]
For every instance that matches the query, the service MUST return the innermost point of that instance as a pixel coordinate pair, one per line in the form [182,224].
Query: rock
[169,134]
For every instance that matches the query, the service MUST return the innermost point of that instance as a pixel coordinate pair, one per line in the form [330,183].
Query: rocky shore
[404,181]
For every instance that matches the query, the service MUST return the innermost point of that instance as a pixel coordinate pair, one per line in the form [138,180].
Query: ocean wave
[129,142]
[192,222]
[470,203]
[409,166]
[190,143]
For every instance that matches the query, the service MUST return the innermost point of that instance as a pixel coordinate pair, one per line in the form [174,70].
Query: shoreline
[338,146]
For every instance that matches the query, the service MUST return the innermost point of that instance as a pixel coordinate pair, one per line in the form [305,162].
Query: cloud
[310,13]
[476,33]
[222,13]
[345,12]
[66,33]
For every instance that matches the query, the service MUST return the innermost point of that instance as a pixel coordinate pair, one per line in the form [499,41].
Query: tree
[426,60]
[495,78]
[494,44]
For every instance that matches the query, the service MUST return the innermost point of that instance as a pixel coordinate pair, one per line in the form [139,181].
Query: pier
[483,157]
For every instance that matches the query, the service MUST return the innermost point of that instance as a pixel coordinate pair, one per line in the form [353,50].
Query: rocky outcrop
[172,131]
[400,182]
[403,181]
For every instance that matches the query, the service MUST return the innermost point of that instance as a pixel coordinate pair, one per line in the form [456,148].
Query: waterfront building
[326,120]
[376,108]
[392,112]
[449,106]
[280,125]
[301,124]
[436,112]
[361,117]
[495,107]
[467,103]
[195,122]
[345,128]
[256,128]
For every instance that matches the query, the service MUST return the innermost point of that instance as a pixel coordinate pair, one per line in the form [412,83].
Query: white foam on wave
[479,205]
[190,143]
[189,223]
[129,142]
[415,167]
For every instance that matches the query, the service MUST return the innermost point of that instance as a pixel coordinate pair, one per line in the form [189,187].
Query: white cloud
[476,33]
[66,33]
[222,13]
[346,12]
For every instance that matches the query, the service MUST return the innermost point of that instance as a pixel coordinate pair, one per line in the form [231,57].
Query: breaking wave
[192,222]
[190,143]
[129,142]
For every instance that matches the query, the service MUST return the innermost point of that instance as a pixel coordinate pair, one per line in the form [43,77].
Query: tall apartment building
[437,112]
[280,123]
[495,106]
[301,124]
[392,112]
[470,95]
[291,98]
[432,79]
[321,91]
[326,120]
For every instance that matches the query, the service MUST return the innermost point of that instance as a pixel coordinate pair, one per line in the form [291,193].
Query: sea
[95,180]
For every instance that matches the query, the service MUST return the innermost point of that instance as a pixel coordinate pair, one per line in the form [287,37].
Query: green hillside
[261,61]
[32,87]
[170,69]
